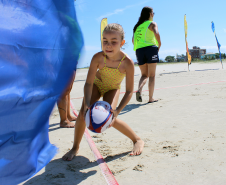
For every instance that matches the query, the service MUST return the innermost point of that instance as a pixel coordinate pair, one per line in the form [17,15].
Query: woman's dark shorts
[147,55]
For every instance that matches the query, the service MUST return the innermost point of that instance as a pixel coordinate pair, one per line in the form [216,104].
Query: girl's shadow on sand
[130,107]
[59,172]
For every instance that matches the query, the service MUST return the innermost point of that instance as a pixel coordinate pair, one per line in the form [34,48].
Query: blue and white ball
[99,117]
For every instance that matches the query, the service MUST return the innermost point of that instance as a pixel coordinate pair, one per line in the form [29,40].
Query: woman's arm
[154,27]
[89,80]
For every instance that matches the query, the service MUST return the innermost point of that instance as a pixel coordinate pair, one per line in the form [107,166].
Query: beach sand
[184,133]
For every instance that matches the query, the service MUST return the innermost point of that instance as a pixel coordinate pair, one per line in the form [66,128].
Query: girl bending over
[107,70]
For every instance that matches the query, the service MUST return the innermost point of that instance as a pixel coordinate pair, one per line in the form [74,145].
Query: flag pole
[188,67]
[187,51]
[103,24]
[218,44]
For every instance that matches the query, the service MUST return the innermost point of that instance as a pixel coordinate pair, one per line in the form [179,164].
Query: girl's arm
[153,27]
[129,65]
[88,87]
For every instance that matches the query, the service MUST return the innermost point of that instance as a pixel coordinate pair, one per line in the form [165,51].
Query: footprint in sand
[138,167]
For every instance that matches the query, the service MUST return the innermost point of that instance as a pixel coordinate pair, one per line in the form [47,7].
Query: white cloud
[117,11]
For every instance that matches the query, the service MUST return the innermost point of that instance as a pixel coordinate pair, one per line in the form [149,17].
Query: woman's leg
[112,98]
[143,80]
[70,117]
[80,126]
[144,76]
[64,109]
[151,84]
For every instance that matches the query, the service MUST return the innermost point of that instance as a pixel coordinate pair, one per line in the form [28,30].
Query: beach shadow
[82,163]
[172,72]
[130,107]
[207,69]
[79,80]
[114,157]
[64,172]
[69,172]
[53,125]
[52,129]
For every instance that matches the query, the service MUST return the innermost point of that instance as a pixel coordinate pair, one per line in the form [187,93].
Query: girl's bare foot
[67,124]
[138,147]
[70,155]
[72,118]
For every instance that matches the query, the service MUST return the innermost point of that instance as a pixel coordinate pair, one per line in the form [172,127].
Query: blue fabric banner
[213,27]
[218,44]
[40,42]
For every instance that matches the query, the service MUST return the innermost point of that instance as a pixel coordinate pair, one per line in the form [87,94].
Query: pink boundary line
[109,177]
[169,87]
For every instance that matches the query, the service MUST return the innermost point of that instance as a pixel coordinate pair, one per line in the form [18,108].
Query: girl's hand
[115,114]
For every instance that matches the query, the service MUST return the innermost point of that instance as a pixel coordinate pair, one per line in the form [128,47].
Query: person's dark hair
[144,16]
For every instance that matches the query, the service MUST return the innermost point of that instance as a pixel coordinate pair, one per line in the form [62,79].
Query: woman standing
[146,40]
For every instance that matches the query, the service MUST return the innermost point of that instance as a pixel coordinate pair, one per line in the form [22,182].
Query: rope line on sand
[171,87]
[109,177]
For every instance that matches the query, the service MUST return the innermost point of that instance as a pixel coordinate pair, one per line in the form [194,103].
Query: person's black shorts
[148,55]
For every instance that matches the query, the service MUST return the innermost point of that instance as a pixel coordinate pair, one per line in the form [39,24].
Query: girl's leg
[151,85]
[112,98]
[124,128]
[142,82]
[80,126]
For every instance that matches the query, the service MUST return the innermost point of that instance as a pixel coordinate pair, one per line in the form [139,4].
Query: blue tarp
[40,42]
[218,44]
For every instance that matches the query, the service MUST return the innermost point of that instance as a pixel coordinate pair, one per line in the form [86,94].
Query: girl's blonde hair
[115,27]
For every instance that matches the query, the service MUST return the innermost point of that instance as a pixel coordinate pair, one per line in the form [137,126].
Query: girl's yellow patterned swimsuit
[111,78]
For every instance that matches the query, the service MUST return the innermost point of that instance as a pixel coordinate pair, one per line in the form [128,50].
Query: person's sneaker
[138,97]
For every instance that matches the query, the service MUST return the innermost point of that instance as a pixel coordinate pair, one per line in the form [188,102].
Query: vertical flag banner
[218,44]
[103,24]
[185,29]
[40,42]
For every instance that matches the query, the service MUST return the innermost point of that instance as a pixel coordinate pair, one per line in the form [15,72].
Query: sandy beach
[184,133]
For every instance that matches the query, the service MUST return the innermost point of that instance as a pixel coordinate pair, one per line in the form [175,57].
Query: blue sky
[169,15]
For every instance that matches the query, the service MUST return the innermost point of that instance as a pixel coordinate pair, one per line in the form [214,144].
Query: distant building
[209,56]
[196,52]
